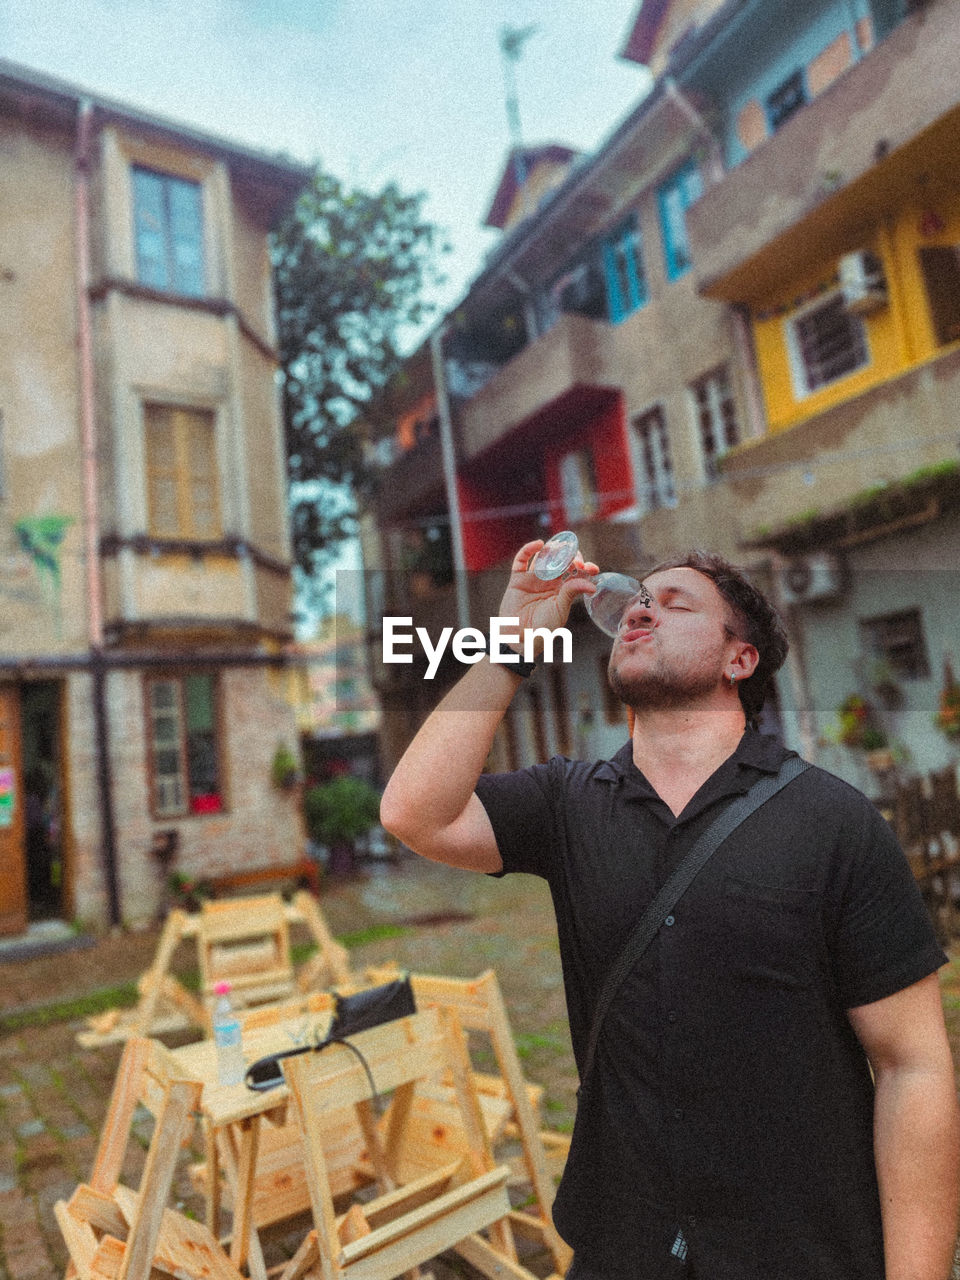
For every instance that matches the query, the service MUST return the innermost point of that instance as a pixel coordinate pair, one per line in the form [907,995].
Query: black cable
[378,1102]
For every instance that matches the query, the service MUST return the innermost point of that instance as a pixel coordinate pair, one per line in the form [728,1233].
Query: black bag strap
[675,887]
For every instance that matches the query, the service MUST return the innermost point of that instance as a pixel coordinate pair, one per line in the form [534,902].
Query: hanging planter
[857,725]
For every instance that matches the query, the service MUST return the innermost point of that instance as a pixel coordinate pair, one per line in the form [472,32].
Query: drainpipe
[91,521]
[450,476]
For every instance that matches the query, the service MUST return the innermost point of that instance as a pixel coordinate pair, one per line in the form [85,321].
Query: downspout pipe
[91,517]
[448,455]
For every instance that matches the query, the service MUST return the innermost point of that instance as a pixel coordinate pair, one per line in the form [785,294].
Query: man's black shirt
[736,1101]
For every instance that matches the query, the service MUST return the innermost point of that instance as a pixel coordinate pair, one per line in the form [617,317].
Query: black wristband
[518,668]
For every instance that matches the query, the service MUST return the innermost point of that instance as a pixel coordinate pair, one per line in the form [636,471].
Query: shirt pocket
[772,932]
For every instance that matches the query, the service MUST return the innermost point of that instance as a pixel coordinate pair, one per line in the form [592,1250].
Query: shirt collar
[754,751]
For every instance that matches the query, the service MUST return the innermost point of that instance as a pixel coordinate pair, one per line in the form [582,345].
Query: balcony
[788,486]
[575,354]
[837,165]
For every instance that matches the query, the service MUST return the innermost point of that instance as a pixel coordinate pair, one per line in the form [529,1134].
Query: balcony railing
[891,435]
[572,353]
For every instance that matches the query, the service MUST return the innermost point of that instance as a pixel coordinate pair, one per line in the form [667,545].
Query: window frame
[167,234]
[623,270]
[583,505]
[178,678]
[719,426]
[659,490]
[878,635]
[777,121]
[182,476]
[676,251]
[798,366]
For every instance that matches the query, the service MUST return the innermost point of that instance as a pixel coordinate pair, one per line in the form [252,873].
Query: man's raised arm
[429,802]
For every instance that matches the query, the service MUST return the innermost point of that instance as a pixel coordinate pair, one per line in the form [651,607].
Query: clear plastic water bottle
[227,1036]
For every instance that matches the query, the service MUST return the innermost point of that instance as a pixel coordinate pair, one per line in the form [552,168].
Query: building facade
[733,326]
[146,565]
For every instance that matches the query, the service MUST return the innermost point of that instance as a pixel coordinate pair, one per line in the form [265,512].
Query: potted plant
[947,718]
[337,813]
[284,770]
[857,728]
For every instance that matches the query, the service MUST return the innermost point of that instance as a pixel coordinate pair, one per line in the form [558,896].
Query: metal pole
[450,476]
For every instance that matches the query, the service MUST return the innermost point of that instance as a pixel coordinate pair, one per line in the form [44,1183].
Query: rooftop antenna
[512,40]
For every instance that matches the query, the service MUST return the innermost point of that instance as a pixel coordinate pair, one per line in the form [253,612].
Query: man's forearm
[917,1140]
[436,775]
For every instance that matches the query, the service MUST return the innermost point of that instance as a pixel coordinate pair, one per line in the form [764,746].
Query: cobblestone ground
[53,1094]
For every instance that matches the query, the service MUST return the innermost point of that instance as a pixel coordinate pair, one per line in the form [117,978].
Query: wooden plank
[481,1254]
[182,1100]
[436,1226]
[116,1125]
[78,1237]
[99,1210]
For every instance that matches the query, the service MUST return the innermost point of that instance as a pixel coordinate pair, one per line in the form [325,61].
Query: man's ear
[745,661]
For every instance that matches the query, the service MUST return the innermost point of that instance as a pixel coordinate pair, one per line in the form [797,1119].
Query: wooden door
[13,877]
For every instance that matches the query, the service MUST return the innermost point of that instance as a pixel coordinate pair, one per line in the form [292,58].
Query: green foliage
[284,770]
[857,725]
[122,996]
[372,933]
[341,811]
[349,272]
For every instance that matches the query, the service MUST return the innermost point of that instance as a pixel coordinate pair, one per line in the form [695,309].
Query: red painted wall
[606,437]
[495,538]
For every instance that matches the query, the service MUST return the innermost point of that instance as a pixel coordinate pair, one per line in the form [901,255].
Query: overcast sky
[409,90]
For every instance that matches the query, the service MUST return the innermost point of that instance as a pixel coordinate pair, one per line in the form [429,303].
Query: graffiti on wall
[30,564]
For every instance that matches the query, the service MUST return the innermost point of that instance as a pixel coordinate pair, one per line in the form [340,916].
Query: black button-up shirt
[738,1103]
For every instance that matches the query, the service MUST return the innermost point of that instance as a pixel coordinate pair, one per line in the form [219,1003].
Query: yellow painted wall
[899,334]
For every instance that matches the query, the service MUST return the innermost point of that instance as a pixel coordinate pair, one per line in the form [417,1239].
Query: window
[168,232]
[181,452]
[184,750]
[623,270]
[675,197]
[582,290]
[656,468]
[941,275]
[897,639]
[578,486]
[787,98]
[826,342]
[716,419]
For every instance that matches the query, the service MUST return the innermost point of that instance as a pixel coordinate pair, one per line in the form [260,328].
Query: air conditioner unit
[862,282]
[813,578]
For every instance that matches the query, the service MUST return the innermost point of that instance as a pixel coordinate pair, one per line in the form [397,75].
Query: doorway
[40,712]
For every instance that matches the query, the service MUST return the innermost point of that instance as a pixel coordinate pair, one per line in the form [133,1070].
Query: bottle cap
[222,988]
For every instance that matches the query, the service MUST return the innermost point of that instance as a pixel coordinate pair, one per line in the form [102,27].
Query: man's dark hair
[756,621]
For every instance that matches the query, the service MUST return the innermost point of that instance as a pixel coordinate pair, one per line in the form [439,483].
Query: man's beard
[661,689]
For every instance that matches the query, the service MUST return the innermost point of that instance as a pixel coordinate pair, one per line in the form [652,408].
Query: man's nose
[637,612]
